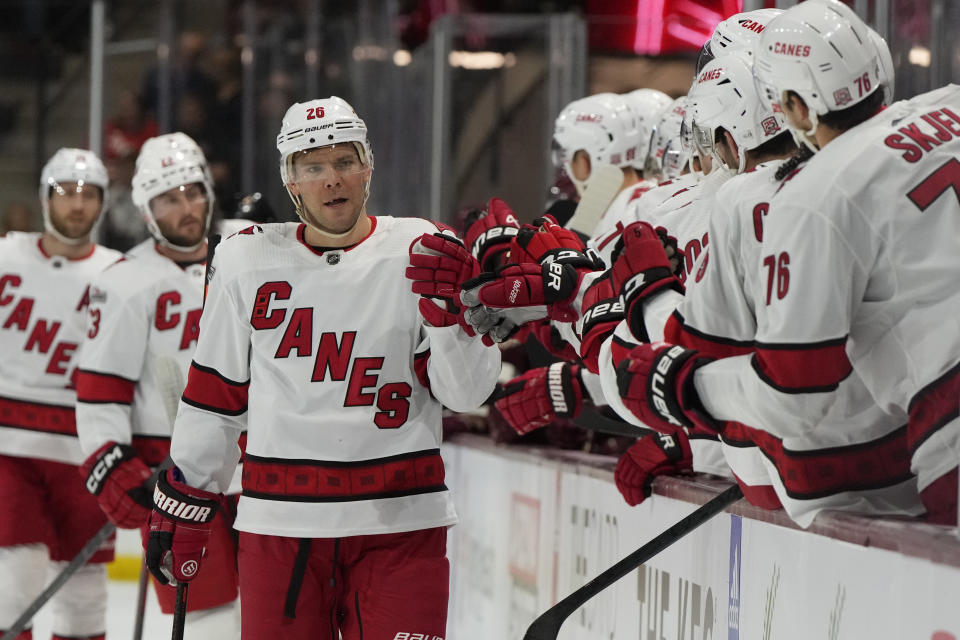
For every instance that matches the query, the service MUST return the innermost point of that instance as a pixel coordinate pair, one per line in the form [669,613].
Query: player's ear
[294,188]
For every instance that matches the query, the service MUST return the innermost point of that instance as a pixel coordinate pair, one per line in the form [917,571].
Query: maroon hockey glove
[119,478]
[653,455]
[540,395]
[531,291]
[641,270]
[179,528]
[656,384]
[439,263]
[488,239]
[545,241]
[549,336]
[602,312]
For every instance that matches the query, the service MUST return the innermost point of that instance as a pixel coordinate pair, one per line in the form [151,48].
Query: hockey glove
[653,455]
[549,336]
[119,478]
[546,240]
[641,270]
[541,395]
[179,528]
[655,382]
[488,239]
[529,291]
[439,263]
[603,311]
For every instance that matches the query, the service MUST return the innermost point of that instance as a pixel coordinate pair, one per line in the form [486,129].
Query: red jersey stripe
[207,389]
[94,387]
[803,368]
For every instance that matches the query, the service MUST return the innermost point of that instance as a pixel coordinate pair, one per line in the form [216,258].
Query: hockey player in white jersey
[46,516]
[144,325]
[312,340]
[860,271]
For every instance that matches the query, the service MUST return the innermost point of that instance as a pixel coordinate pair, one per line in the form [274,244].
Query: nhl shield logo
[842,97]
[770,126]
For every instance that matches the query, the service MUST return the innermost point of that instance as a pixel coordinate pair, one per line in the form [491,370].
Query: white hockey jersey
[864,269]
[855,458]
[144,324]
[324,357]
[43,317]
[615,218]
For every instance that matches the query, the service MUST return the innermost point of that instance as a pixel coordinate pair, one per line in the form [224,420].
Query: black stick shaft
[141,602]
[78,561]
[180,611]
[596,421]
[547,626]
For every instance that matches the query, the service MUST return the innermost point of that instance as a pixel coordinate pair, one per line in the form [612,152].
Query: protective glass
[558,155]
[309,167]
[704,57]
[178,199]
[702,139]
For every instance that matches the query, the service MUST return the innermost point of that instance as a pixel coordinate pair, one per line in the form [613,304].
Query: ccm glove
[119,479]
[179,528]
[540,396]
[488,239]
[655,382]
[641,270]
[653,455]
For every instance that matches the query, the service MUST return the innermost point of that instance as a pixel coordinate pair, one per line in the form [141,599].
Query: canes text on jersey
[333,354]
[42,332]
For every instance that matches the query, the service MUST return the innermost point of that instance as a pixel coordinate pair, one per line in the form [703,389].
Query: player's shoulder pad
[416,227]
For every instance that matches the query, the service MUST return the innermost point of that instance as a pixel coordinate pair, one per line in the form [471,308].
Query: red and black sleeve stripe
[207,389]
[679,332]
[104,388]
[814,367]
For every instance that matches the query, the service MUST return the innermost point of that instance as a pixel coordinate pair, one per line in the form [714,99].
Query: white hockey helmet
[667,156]
[167,162]
[887,73]
[70,165]
[727,97]
[647,105]
[821,51]
[320,123]
[739,32]
[602,125]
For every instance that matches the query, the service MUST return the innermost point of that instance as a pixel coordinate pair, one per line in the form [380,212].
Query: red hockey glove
[179,528]
[488,239]
[439,263]
[655,382]
[541,395]
[119,478]
[641,270]
[530,291]
[602,312]
[549,336]
[546,240]
[653,455]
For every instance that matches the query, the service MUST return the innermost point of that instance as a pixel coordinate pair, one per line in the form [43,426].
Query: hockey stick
[547,626]
[180,611]
[602,188]
[141,601]
[92,546]
[598,421]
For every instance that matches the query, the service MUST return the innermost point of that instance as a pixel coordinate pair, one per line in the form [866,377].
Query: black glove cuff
[109,459]
[181,507]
